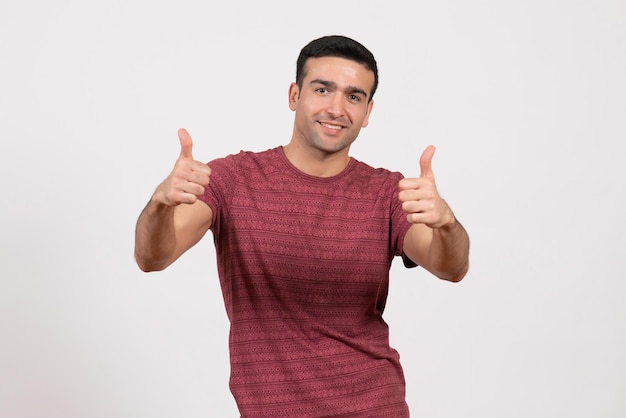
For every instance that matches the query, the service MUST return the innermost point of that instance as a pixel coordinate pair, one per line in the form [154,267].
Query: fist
[188,179]
[419,197]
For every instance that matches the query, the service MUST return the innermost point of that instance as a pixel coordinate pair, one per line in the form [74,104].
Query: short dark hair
[337,46]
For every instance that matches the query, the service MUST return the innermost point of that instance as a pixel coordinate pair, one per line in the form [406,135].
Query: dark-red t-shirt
[303,263]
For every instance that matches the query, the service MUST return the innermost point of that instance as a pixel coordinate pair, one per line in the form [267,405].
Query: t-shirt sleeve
[216,195]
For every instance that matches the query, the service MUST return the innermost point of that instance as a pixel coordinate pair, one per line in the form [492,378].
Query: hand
[420,200]
[188,178]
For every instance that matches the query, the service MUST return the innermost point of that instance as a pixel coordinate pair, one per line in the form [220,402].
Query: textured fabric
[304,267]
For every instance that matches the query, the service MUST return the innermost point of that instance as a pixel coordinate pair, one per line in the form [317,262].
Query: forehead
[342,71]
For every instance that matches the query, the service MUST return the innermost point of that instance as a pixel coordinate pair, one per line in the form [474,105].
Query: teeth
[331,126]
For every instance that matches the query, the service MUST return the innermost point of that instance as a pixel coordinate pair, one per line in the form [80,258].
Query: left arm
[436,240]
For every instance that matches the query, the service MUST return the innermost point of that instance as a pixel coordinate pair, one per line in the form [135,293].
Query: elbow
[148,266]
[453,279]
[456,276]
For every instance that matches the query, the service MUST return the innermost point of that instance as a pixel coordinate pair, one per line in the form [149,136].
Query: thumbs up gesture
[419,197]
[187,180]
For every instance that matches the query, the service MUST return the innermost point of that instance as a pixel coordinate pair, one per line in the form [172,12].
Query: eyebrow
[333,85]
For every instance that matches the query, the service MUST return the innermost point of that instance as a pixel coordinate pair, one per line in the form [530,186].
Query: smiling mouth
[329,126]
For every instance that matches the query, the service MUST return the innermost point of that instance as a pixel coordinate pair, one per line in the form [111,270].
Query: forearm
[155,238]
[449,252]
[443,251]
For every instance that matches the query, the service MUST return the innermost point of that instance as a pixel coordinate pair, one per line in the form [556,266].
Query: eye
[354,98]
[322,90]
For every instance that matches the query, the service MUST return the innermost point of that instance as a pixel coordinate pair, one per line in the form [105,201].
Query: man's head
[336,46]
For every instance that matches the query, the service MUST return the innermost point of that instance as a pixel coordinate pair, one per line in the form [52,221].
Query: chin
[333,147]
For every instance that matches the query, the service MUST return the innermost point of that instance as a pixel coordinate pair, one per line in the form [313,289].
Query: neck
[319,163]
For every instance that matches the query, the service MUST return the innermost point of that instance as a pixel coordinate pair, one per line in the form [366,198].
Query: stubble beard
[330,146]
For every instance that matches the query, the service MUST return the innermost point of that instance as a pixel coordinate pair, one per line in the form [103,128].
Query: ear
[294,94]
[370,105]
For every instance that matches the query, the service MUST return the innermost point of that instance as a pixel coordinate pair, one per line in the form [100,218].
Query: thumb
[426,163]
[185,143]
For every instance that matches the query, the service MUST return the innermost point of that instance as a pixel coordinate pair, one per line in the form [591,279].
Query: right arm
[174,219]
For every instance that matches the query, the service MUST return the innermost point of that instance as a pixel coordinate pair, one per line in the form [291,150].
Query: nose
[335,105]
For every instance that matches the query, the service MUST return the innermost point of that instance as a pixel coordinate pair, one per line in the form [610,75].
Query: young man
[305,236]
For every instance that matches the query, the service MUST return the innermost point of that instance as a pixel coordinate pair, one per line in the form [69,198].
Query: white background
[525,100]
